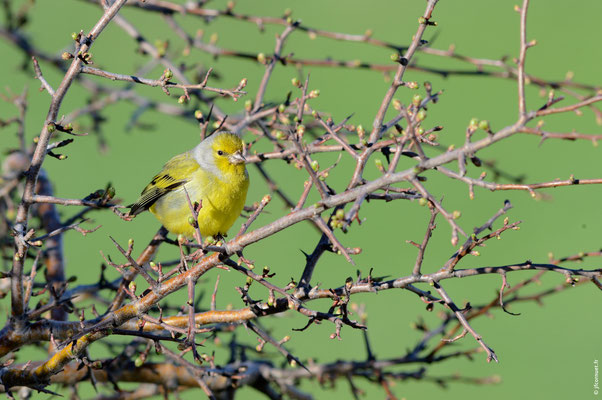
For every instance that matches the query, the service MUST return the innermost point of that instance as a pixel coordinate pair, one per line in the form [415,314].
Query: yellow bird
[213,174]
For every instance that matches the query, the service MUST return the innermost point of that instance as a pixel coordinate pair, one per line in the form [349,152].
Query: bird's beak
[237,158]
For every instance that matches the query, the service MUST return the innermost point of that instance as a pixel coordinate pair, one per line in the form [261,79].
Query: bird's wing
[174,174]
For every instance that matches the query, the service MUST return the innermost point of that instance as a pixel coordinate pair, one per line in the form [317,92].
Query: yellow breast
[222,199]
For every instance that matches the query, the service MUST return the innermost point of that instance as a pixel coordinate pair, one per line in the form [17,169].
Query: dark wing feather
[163,182]
[151,194]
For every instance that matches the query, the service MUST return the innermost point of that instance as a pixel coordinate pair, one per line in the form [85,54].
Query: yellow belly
[221,203]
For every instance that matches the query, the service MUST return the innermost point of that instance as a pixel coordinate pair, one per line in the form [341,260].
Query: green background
[546,352]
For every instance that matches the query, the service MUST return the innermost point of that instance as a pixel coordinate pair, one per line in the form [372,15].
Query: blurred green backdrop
[546,352]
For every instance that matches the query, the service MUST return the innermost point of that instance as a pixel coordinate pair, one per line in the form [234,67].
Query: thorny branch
[291,129]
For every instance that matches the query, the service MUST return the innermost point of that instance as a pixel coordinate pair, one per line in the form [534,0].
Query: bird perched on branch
[213,175]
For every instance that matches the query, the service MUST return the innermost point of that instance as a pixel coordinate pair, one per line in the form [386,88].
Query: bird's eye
[220,153]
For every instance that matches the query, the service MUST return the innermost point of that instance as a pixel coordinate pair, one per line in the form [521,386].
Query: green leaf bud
[416,99]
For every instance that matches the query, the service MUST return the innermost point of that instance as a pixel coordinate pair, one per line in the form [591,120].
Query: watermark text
[596,381]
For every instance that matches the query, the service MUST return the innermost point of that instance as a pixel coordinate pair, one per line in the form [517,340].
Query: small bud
[191,221]
[182,99]
[296,82]
[420,131]
[243,83]
[132,287]
[484,125]
[51,127]
[412,85]
[248,105]
[422,20]
[281,108]
[301,129]
[315,165]
[74,36]
[397,104]
[422,201]
[261,58]
[340,214]
[198,114]
[138,362]
[62,157]
[379,163]
[278,134]
[360,131]
[110,192]
[421,115]
[66,56]
[416,99]
[314,93]
[474,123]
[167,74]
[209,239]
[456,214]
[161,46]
[395,57]
[249,281]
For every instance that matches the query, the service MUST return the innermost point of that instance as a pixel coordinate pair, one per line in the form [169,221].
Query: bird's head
[222,153]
